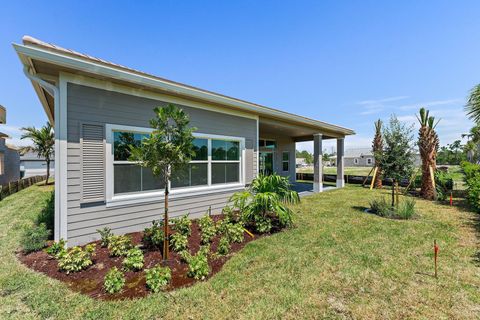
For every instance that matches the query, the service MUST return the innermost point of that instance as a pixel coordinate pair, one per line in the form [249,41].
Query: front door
[266,163]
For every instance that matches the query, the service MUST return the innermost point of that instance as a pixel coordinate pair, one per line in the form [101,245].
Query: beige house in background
[9,156]
[98,106]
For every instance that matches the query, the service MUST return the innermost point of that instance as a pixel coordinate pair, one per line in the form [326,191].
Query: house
[301,163]
[9,156]
[33,165]
[97,105]
[363,157]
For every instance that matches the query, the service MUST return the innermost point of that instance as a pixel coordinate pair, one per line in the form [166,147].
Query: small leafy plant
[114,281]
[56,248]
[223,246]
[153,236]
[182,225]
[105,233]
[178,242]
[157,277]
[262,224]
[234,232]
[119,245]
[207,228]
[381,207]
[76,258]
[34,238]
[134,259]
[406,209]
[198,267]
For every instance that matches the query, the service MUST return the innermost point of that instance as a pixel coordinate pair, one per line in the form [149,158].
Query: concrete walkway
[306,189]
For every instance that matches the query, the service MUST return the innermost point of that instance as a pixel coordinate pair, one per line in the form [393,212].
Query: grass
[338,262]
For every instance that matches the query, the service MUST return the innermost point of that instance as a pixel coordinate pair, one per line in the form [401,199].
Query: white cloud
[14,133]
[430,104]
[377,105]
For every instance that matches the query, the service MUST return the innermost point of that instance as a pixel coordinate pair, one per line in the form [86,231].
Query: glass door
[266,163]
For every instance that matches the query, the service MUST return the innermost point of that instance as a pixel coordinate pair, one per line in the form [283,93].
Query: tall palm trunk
[377,147]
[428,143]
[48,170]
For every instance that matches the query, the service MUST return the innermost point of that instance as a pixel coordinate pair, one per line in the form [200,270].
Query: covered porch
[277,143]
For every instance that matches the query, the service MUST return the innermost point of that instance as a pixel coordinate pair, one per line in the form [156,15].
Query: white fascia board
[150,81]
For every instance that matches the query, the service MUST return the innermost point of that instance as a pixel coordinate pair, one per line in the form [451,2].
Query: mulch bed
[90,281]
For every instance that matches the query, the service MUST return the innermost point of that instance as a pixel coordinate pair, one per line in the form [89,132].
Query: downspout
[54,91]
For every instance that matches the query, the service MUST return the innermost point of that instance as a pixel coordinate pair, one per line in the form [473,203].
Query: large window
[217,161]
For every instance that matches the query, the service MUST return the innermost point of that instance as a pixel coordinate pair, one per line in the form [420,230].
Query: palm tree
[471,148]
[473,104]
[428,144]
[377,147]
[43,143]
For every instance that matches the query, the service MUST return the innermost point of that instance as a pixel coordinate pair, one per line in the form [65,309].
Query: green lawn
[338,262]
[356,171]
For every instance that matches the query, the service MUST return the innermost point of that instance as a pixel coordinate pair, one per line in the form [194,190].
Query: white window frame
[287,161]
[2,163]
[157,195]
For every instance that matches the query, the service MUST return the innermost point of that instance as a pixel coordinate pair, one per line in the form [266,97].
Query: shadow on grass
[360,209]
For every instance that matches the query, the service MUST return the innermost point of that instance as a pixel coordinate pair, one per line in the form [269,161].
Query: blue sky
[345,62]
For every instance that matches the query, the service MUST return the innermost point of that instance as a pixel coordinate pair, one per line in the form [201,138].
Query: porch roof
[48,60]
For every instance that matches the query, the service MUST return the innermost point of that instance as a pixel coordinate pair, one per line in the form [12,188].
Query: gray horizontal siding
[95,106]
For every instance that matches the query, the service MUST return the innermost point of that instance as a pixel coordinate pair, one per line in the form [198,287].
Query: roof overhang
[33,51]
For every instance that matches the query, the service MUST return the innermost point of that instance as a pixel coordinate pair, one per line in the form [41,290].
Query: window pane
[225,172]
[126,178]
[261,143]
[149,182]
[218,173]
[200,146]
[122,142]
[233,150]
[199,174]
[285,165]
[285,156]
[219,150]
[232,170]
[195,174]
[270,144]
[181,178]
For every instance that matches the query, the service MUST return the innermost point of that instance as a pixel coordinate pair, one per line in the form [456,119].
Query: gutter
[54,91]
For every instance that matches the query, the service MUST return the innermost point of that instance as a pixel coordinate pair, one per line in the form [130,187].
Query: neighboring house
[363,157]
[9,156]
[301,163]
[98,107]
[31,165]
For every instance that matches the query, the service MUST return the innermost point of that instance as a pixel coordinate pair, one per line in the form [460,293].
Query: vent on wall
[93,162]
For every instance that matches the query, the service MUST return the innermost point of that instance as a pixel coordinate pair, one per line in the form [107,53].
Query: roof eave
[110,71]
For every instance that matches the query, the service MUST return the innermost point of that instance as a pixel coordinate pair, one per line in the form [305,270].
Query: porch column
[340,154]
[317,163]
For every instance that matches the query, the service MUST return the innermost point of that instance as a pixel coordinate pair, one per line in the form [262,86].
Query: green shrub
[76,259]
[198,267]
[157,277]
[114,281]
[56,248]
[133,260]
[119,245]
[406,209]
[34,238]
[223,246]
[232,231]
[47,215]
[443,184]
[262,225]
[105,233]
[207,228]
[470,169]
[153,236]
[267,198]
[182,225]
[381,207]
[178,242]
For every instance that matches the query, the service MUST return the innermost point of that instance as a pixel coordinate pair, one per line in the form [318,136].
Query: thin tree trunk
[393,193]
[165,225]
[48,170]
[397,191]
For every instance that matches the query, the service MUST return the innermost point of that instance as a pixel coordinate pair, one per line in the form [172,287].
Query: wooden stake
[373,178]
[366,178]
[435,251]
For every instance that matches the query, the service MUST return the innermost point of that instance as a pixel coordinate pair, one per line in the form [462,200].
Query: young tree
[377,148]
[168,148]
[397,156]
[43,140]
[428,144]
